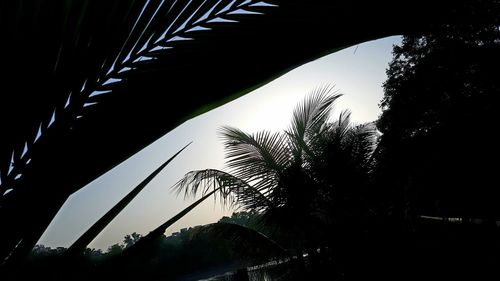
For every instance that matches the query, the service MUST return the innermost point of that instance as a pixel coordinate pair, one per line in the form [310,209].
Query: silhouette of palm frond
[258,159]
[82,242]
[310,118]
[268,171]
[299,180]
[88,58]
[82,79]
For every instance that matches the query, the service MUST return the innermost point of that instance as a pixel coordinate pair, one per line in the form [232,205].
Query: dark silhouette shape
[131,239]
[435,152]
[188,255]
[249,219]
[308,182]
[83,49]
[249,242]
[115,249]
[241,275]
[434,167]
[81,243]
[144,244]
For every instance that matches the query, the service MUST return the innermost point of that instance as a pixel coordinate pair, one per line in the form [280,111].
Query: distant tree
[439,114]
[130,239]
[114,249]
[244,218]
[40,250]
[93,253]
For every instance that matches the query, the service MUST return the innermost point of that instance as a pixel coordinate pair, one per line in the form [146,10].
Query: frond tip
[230,189]
[309,118]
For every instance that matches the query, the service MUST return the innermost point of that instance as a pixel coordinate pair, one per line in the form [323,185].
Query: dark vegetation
[83,76]
[190,254]
[414,200]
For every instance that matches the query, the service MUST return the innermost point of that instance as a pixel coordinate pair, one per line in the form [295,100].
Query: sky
[356,72]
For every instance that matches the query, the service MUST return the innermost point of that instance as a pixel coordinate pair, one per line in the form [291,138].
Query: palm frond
[78,42]
[342,127]
[256,158]
[191,183]
[232,190]
[145,243]
[81,243]
[158,27]
[309,117]
[364,138]
[88,55]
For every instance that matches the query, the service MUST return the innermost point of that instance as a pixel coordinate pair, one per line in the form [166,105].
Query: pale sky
[357,73]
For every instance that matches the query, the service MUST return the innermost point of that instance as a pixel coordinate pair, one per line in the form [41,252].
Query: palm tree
[302,180]
[91,60]
[92,79]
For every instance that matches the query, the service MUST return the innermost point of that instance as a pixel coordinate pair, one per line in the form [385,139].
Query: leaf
[260,157]
[81,243]
[309,117]
[228,185]
[145,242]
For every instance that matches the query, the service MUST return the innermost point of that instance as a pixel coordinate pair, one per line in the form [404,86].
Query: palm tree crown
[297,179]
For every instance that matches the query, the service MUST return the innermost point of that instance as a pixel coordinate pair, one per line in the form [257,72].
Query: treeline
[190,254]
[351,198]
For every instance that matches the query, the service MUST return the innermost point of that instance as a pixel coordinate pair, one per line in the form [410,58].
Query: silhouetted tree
[115,249]
[243,218]
[93,254]
[438,117]
[304,181]
[176,256]
[130,239]
[87,50]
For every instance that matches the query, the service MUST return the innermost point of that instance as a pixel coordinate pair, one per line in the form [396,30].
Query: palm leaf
[95,95]
[99,48]
[232,190]
[309,117]
[145,243]
[343,125]
[158,28]
[364,144]
[81,243]
[258,158]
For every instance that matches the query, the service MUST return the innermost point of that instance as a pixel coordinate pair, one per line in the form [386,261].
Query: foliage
[438,114]
[299,178]
[131,239]
[99,65]
[243,218]
[81,243]
[95,74]
[186,254]
[115,249]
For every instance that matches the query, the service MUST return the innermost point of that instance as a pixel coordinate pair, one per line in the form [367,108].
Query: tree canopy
[307,182]
[437,150]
